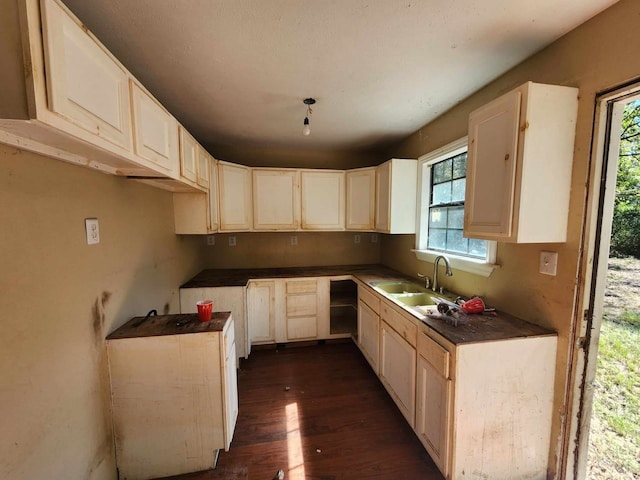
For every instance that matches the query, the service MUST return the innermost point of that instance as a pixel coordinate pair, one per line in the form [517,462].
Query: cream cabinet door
[369,334]
[203,174]
[383,196]
[230,395]
[301,309]
[361,186]
[155,131]
[212,196]
[261,311]
[396,196]
[276,199]
[188,156]
[234,194]
[398,370]
[491,166]
[433,400]
[85,84]
[323,200]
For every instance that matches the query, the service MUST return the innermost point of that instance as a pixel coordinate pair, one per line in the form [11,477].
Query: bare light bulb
[306,130]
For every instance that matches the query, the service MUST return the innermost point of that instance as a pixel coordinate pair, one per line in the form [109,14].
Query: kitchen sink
[400,287]
[415,299]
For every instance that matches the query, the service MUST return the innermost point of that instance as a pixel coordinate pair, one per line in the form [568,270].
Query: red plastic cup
[475,305]
[205,307]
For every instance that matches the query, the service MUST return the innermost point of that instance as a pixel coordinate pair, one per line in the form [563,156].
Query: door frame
[594,254]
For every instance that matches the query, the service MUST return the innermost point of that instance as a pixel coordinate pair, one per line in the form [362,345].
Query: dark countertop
[155,326]
[239,277]
[472,329]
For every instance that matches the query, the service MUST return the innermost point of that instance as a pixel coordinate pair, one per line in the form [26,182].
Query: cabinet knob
[506,157]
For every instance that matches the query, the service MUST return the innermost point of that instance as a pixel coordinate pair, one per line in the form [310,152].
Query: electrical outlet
[211,240]
[548,262]
[294,240]
[374,238]
[232,241]
[356,239]
[93,230]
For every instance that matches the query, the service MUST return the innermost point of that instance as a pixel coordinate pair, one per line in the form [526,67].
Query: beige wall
[266,250]
[598,55]
[60,297]
[260,157]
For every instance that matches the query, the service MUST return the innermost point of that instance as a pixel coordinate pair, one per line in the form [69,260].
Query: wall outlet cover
[211,240]
[92,229]
[548,263]
[232,241]
[294,240]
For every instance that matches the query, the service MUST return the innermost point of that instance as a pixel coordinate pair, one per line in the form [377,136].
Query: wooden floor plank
[318,413]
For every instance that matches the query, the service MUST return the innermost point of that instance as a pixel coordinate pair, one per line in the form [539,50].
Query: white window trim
[480,267]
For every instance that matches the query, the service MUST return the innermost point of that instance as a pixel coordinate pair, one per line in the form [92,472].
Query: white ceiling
[235,72]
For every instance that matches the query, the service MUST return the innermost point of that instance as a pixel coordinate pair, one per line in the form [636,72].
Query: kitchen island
[173,393]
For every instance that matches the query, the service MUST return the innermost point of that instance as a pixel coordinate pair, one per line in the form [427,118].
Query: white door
[261,320]
[383,196]
[361,185]
[231,396]
[491,167]
[323,200]
[398,370]
[85,84]
[188,156]
[203,171]
[234,194]
[369,334]
[276,199]
[155,131]
[432,412]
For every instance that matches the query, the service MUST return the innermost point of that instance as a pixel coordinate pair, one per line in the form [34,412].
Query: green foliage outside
[625,234]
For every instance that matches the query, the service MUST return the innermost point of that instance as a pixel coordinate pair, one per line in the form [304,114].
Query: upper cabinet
[188,156]
[79,104]
[361,198]
[519,165]
[84,82]
[322,194]
[276,199]
[197,213]
[396,190]
[235,206]
[155,131]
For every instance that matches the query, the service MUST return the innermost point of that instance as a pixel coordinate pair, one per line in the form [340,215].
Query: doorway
[609,126]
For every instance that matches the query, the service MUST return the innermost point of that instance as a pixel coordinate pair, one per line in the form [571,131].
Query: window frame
[478,266]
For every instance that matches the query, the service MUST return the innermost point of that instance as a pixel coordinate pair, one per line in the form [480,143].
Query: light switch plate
[92,228]
[548,262]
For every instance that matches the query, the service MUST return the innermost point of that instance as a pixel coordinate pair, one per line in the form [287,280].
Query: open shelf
[343,316]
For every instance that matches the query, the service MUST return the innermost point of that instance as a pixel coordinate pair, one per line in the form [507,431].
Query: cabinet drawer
[370,299]
[302,305]
[300,328]
[434,353]
[405,327]
[301,286]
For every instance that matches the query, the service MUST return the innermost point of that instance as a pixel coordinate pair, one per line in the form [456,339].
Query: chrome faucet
[448,271]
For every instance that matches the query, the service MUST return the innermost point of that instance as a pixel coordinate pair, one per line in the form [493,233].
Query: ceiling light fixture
[306,130]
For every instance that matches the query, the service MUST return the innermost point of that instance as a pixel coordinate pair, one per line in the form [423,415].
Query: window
[441,212]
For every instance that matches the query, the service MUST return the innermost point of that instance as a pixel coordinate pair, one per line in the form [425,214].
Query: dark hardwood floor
[318,412]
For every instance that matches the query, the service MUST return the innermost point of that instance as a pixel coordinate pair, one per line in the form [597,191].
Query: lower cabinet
[433,400]
[174,401]
[301,309]
[398,370]
[225,299]
[261,311]
[369,334]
